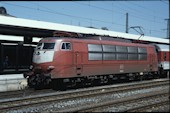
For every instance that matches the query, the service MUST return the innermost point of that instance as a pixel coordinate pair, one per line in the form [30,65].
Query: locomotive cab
[43,53]
[42,64]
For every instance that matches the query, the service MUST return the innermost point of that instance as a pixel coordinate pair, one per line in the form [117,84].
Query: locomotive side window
[109,56]
[142,54]
[121,53]
[95,56]
[94,48]
[109,52]
[122,49]
[122,56]
[116,52]
[94,52]
[132,53]
[66,46]
[141,50]
[132,56]
[109,48]
[132,50]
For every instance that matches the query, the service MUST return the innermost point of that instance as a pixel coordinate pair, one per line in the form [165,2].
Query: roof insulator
[3,10]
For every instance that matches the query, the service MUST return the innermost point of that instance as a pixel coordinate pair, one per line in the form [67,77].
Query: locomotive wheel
[58,84]
[37,82]
[31,82]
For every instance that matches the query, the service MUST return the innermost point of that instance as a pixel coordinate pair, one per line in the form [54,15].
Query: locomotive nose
[43,56]
[44,52]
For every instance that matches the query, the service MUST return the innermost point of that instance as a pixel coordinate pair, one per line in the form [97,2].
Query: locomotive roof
[89,39]
[162,47]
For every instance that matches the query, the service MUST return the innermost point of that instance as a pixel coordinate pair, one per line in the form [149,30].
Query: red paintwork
[161,57]
[67,62]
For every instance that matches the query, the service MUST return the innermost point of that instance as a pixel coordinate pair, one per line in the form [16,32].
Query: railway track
[46,99]
[23,93]
[26,92]
[145,108]
[118,104]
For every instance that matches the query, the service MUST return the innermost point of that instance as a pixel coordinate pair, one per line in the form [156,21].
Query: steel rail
[27,92]
[23,93]
[144,108]
[97,107]
[36,100]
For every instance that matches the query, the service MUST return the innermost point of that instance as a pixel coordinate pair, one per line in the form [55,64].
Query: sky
[149,15]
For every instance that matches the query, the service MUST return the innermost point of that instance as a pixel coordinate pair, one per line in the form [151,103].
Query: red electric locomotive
[63,61]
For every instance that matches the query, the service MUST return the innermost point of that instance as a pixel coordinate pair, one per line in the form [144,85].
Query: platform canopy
[34,28]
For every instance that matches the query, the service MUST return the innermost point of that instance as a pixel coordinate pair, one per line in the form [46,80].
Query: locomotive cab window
[66,46]
[39,45]
[48,45]
[45,46]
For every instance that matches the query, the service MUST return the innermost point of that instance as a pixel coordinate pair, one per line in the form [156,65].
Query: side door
[152,59]
[78,58]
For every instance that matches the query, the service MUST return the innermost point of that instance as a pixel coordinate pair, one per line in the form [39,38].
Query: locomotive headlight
[31,67]
[50,68]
